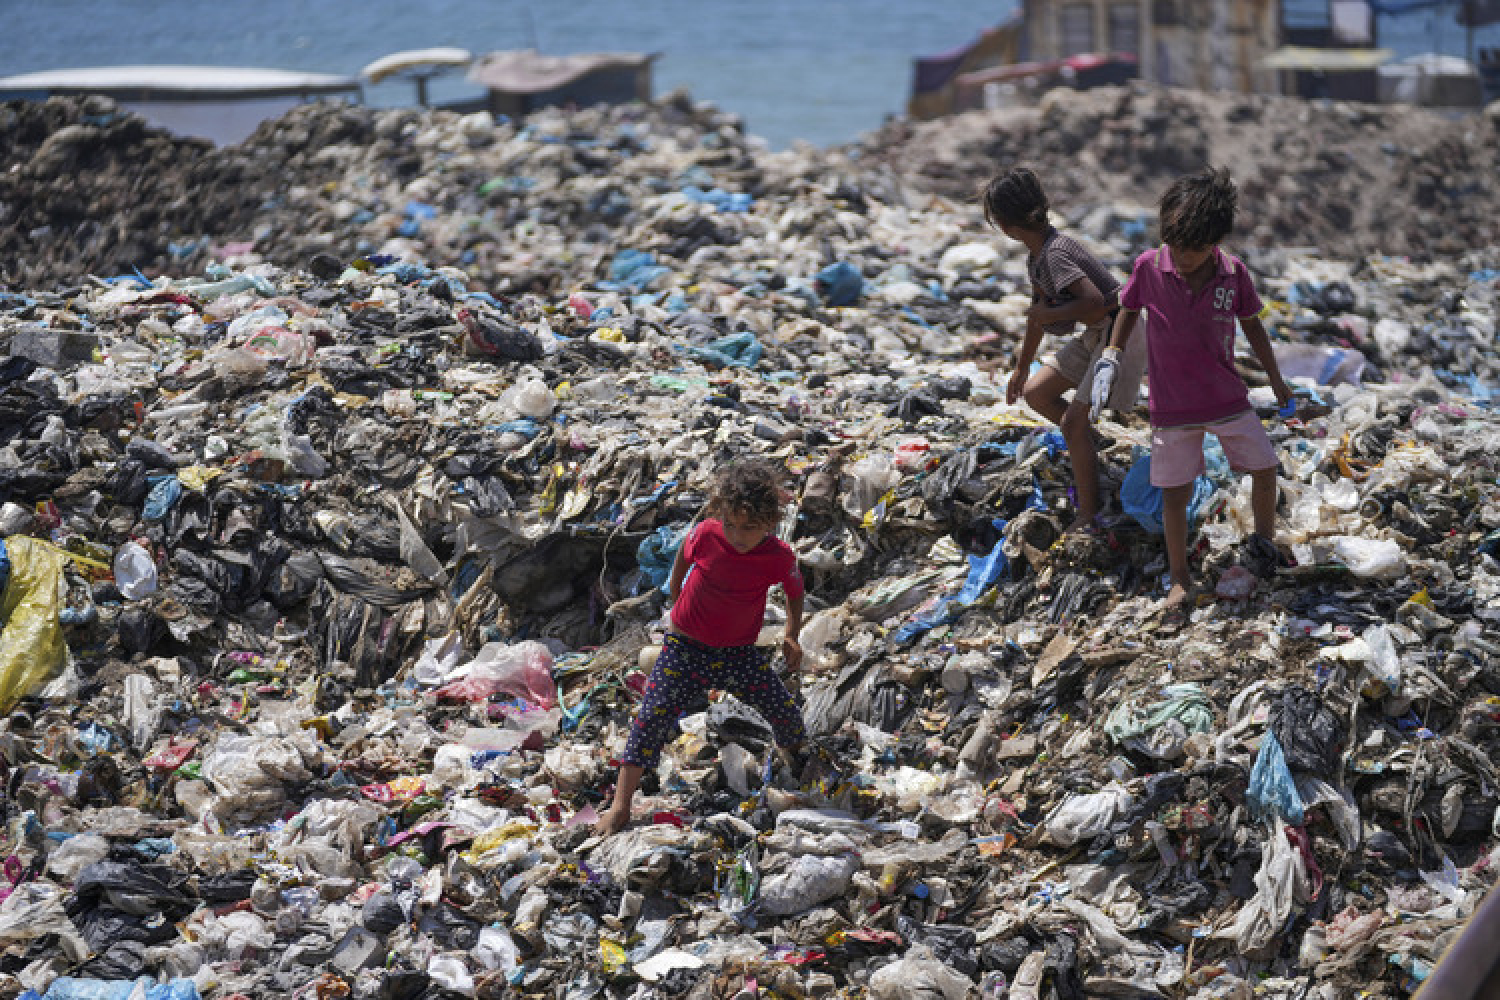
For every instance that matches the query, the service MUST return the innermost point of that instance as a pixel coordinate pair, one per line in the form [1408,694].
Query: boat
[223,104]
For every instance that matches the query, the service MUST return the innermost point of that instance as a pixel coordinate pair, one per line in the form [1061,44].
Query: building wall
[1205,44]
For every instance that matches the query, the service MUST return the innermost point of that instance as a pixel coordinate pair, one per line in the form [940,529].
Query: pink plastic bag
[523,670]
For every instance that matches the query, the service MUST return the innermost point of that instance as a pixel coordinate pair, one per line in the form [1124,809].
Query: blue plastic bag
[166,490]
[633,270]
[738,350]
[984,571]
[1272,787]
[840,284]
[657,552]
[68,988]
[1143,501]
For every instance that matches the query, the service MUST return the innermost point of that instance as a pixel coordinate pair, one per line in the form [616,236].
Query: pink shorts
[1177,452]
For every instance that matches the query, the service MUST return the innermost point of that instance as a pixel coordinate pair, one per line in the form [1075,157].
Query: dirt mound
[1348,179]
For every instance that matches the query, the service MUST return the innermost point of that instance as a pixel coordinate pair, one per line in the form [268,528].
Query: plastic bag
[1383,665]
[657,552]
[840,284]
[530,398]
[497,950]
[523,670]
[919,976]
[31,643]
[414,550]
[1281,882]
[1311,735]
[1323,365]
[77,853]
[873,477]
[1272,788]
[738,350]
[1143,501]
[811,880]
[1370,558]
[135,571]
[144,988]
[1082,817]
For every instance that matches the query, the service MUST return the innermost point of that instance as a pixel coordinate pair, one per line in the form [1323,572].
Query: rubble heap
[333,572]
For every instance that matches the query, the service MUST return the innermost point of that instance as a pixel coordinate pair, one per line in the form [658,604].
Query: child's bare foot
[1177,595]
[1175,606]
[612,820]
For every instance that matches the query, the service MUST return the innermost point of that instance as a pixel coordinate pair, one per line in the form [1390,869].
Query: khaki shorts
[1074,361]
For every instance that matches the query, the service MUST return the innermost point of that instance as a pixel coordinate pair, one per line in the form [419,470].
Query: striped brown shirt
[1062,261]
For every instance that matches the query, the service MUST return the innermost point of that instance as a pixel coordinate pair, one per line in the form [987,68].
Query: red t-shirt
[723,599]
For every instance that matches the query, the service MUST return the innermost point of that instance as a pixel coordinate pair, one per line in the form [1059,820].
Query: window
[1077,28]
[1353,22]
[1164,14]
[1305,15]
[1124,27]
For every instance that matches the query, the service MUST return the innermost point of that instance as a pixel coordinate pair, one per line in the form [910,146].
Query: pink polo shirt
[1190,337]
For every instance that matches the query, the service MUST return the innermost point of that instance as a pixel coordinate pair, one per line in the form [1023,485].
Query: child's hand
[791,651]
[1017,385]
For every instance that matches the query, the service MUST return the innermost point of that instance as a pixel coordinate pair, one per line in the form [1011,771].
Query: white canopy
[429,60]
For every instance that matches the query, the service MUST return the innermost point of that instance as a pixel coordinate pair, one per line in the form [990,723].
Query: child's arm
[1086,305]
[1029,343]
[1125,321]
[791,646]
[679,570]
[1260,343]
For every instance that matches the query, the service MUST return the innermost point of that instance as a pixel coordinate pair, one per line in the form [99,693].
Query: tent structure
[523,79]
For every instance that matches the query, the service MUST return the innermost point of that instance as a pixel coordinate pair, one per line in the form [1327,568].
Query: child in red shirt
[716,618]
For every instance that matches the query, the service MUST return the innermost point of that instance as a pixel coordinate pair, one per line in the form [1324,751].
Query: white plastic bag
[811,880]
[135,571]
[1370,558]
[919,976]
[1082,817]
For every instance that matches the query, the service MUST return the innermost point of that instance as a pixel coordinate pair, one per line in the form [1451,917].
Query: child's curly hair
[1016,198]
[1197,211]
[750,487]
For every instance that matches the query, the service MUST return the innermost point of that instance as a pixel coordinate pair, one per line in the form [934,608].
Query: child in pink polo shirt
[1193,293]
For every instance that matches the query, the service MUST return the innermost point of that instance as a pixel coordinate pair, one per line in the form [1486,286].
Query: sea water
[820,70]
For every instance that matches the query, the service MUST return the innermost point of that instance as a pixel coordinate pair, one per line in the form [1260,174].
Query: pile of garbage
[331,586]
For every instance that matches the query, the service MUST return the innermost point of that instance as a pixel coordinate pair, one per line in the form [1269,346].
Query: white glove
[1106,370]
